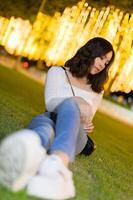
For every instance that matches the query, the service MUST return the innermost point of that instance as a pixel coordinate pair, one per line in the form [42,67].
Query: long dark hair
[80,64]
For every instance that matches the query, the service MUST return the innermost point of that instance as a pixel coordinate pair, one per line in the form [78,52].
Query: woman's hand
[85,110]
[89,127]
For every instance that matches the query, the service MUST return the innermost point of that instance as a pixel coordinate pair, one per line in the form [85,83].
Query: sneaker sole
[16,153]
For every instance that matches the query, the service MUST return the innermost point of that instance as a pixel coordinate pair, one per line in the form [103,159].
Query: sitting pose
[38,157]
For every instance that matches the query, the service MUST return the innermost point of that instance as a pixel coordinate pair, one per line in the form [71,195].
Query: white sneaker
[20,156]
[54,180]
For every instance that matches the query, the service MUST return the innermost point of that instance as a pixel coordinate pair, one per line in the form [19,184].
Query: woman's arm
[88,111]
[54,92]
[85,111]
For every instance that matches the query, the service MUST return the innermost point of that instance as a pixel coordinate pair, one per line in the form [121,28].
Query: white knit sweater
[58,89]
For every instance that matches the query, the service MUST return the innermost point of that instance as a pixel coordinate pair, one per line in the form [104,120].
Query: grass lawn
[106,175]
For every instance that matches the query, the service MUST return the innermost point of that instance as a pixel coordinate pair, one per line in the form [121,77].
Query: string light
[56,39]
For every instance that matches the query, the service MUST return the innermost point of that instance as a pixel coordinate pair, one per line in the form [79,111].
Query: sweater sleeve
[54,88]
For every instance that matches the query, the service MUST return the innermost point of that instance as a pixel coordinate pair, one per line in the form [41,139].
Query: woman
[72,96]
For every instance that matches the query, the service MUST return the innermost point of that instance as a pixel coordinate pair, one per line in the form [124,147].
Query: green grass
[106,175]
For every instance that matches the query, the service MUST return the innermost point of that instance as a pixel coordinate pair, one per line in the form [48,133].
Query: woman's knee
[40,120]
[70,105]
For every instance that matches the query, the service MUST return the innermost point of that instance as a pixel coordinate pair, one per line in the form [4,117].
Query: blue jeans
[66,134]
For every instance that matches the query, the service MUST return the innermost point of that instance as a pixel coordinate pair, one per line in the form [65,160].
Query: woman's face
[100,63]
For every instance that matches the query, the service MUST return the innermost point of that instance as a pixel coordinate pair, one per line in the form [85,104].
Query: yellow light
[56,39]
